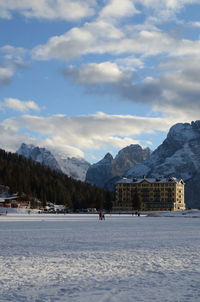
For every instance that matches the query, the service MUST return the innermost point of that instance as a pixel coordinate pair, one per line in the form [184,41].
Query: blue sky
[91,77]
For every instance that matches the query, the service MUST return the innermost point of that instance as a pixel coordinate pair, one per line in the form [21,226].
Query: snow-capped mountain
[73,167]
[179,156]
[40,155]
[102,172]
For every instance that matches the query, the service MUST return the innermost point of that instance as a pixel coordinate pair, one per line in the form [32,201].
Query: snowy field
[79,258]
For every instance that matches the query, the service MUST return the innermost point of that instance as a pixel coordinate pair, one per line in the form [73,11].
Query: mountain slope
[179,156]
[98,174]
[110,168]
[73,167]
[39,155]
[37,181]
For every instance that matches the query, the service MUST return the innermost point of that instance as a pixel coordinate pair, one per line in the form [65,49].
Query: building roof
[9,198]
[151,180]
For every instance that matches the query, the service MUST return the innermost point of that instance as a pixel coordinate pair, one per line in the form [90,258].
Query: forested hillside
[36,181]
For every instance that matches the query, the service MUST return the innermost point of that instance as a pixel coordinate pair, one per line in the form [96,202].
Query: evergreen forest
[37,182]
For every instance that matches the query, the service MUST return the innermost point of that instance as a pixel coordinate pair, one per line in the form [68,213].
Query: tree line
[37,182]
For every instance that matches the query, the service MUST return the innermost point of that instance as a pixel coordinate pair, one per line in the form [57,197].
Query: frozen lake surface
[79,258]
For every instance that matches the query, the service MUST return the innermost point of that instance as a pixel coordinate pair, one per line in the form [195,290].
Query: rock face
[128,157]
[106,170]
[73,167]
[40,155]
[178,156]
[98,174]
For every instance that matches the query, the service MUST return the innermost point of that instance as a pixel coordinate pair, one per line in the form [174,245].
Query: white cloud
[90,39]
[13,54]
[129,63]
[89,132]
[180,92]
[105,72]
[12,60]
[70,45]
[58,144]
[104,38]
[11,140]
[47,9]
[107,35]
[118,9]
[6,74]
[161,11]
[174,92]
[171,88]
[169,91]
[18,105]
[195,24]
[86,133]
[94,37]
[167,4]
[76,9]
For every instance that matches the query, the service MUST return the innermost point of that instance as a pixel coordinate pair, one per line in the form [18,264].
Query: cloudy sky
[88,77]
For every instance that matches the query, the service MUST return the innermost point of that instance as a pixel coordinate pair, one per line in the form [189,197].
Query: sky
[90,77]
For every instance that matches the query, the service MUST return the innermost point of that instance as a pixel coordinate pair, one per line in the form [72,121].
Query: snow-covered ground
[79,258]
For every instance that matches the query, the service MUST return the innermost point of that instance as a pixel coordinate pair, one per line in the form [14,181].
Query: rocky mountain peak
[178,156]
[196,125]
[182,132]
[25,149]
[108,168]
[108,158]
[73,167]
[40,155]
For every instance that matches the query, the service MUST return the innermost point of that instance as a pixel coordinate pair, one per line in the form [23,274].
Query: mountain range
[39,184]
[105,172]
[178,156]
[71,166]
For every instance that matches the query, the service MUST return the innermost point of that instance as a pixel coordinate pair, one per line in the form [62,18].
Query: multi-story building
[159,194]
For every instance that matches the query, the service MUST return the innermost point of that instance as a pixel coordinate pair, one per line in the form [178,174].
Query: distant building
[13,202]
[150,194]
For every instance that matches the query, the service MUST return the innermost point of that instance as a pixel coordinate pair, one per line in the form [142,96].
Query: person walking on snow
[100,215]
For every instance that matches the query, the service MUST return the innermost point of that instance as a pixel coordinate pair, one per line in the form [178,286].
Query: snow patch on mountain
[73,167]
[40,155]
[179,156]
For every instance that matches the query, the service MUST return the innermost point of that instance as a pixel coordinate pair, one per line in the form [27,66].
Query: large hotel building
[150,194]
